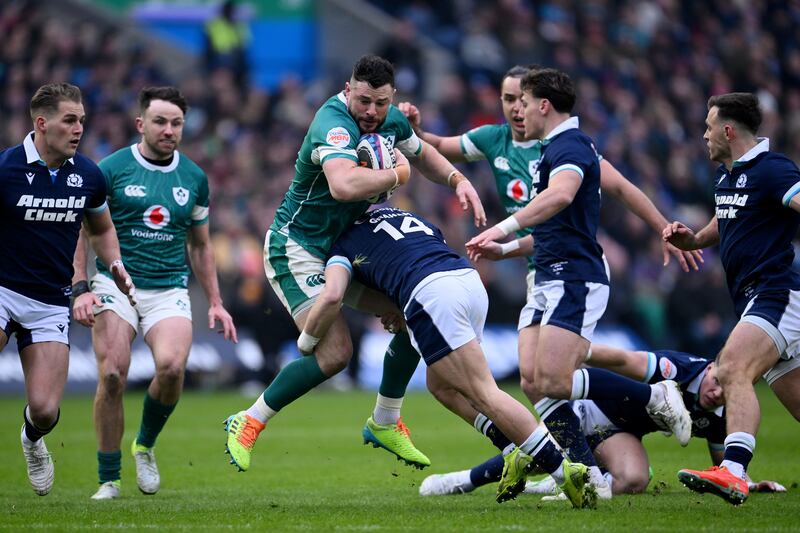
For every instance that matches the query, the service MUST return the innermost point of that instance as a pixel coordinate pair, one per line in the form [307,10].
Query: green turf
[311,472]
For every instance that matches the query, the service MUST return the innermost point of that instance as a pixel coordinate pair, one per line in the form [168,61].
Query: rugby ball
[377,153]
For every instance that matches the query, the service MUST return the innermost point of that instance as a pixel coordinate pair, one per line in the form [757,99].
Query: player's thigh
[111,338]
[527,342]
[559,352]
[45,365]
[465,369]
[624,455]
[784,379]
[296,276]
[749,352]
[170,340]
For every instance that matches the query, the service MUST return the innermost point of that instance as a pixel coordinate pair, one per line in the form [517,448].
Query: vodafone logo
[667,367]
[338,137]
[156,217]
[517,190]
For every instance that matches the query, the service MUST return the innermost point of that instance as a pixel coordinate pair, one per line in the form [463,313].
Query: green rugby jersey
[153,207]
[309,215]
[514,165]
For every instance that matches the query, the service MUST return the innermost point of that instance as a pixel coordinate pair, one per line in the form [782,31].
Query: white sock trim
[580,384]
[387,410]
[741,439]
[481,423]
[261,411]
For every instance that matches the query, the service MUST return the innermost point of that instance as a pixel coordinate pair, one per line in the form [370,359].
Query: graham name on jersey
[29,200]
[731,200]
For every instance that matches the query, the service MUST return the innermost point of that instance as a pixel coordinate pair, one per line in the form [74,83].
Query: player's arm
[350,182]
[630,363]
[449,147]
[326,308]
[559,194]
[103,238]
[201,256]
[435,167]
[683,237]
[614,183]
[83,299]
[495,251]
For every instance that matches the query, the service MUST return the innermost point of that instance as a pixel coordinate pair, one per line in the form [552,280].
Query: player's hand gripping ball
[377,153]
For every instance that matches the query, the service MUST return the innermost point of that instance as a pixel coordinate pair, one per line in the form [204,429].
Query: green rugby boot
[242,430]
[395,438]
[576,486]
[516,466]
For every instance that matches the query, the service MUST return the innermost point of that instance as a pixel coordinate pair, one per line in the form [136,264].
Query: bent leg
[624,456]
[45,365]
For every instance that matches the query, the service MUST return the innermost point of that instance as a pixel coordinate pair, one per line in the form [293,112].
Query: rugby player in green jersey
[159,204]
[327,195]
[514,160]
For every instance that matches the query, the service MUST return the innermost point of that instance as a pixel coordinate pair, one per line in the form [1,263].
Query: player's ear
[139,124]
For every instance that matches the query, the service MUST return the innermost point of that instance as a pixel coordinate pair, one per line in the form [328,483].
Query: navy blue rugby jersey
[756,226]
[688,371]
[41,215]
[566,244]
[392,250]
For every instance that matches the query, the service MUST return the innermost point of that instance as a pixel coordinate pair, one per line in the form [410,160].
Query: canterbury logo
[315,280]
[137,191]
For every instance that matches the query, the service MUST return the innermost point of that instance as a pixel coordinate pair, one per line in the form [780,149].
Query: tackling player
[327,195]
[158,200]
[47,189]
[444,307]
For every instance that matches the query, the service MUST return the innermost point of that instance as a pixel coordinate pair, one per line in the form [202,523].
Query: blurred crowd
[643,70]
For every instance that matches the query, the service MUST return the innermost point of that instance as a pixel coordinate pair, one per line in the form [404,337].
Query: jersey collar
[760,148]
[570,124]
[32,154]
[341,98]
[525,144]
[149,166]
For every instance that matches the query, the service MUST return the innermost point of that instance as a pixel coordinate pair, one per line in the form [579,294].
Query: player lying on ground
[615,429]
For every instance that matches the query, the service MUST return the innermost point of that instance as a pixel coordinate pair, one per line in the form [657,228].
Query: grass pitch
[311,472]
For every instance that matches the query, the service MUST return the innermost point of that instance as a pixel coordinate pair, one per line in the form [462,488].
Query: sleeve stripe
[199,212]
[470,151]
[651,366]
[99,208]
[567,166]
[410,147]
[340,261]
[793,190]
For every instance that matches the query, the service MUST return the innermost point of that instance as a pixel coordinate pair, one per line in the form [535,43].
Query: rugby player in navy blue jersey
[757,216]
[47,189]
[570,286]
[444,307]
[615,429]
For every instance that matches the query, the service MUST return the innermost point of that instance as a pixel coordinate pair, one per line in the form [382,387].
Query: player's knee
[553,386]
[170,374]
[528,386]
[43,412]
[112,381]
[334,359]
[631,483]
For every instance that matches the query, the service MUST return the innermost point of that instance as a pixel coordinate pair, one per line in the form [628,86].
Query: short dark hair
[519,71]
[374,70]
[168,94]
[552,84]
[47,97]
[741,108]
